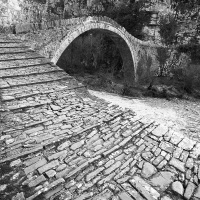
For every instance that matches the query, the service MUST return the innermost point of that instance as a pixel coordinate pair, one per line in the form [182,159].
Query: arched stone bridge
[59,142]
[61,33]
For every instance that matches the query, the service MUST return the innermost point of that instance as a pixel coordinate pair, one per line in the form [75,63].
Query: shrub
[168,29]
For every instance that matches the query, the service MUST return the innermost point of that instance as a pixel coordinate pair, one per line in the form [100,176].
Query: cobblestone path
[59,142]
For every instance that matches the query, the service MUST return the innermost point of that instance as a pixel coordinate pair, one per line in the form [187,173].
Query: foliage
[168,29]
[129,14]
[163,55]
[192,49]
[187,14]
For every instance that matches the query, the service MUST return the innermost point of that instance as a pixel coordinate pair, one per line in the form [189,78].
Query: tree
[168,28]
[187,14]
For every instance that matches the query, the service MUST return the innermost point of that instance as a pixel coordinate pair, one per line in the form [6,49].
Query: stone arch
[120,36]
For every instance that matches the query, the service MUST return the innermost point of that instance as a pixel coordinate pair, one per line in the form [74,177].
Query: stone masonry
[58,142]
[52,38]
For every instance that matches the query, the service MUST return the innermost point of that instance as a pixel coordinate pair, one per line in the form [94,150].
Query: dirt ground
[180,115]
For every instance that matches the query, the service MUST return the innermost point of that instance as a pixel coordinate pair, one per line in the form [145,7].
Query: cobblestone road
[59,142]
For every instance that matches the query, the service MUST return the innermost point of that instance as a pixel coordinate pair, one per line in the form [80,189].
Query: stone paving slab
[7,64]
[40,88]
[17,56]
[32,79]
[59,142]
[12,45]
[8,40]
[23,71]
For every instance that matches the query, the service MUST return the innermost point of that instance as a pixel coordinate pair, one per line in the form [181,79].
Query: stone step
[19,56]
[28,70]
[23,105]
[33,101]
[3,40]
[33,79]
[40,88]
[23,63]
[12,45]
[14,50]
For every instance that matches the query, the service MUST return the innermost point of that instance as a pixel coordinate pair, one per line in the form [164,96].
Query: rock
[148,170]
[178,187]
[93,174]
[4,137]
[109,163]
[37,181]
[178,151]
[19,196]
[106,194]
[162,164]
[125,196]
[7,98]
[181,177]
[144,188]
[147,156]
[112,168]
[10,141]
[77,145]
[190,163]
[64,145]
[35,166]
[166,198]
[132,191]
[197,193]
[48,166]
[61,154]
[196,180]
[188,174]
[176,138]
[177,164]
[31,161]
[160,131]
[3,187]
[15,176]
[162,180]
[166,146]
[158,160]
[195,153]
[54,184]
[51,173]
[53,107]
[189,190]
[199,173]
[184,156]
[61,167]
[67,195]
[187,144]
[15,163]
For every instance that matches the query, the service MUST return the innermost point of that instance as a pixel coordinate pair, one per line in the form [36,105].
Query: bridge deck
[59,141]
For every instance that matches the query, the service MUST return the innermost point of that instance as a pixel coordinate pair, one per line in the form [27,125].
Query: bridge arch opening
[121,59]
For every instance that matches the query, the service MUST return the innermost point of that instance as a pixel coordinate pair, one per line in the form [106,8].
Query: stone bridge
[59,142]
[52,39]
